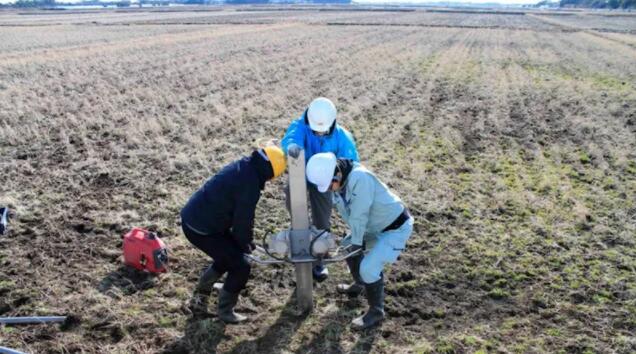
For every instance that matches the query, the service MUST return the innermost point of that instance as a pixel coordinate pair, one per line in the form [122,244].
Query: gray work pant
[321,204]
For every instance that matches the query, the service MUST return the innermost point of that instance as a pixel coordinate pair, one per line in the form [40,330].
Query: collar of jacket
[263,168]
[306,120]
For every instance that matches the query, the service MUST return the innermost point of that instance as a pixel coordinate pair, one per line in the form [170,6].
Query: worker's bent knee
[237,277]
[369,272]
[241,266]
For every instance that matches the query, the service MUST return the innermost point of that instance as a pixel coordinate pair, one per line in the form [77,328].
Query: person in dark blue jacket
[219,219]
[317,131]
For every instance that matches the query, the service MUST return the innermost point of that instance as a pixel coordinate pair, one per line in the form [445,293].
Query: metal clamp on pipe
[323,243]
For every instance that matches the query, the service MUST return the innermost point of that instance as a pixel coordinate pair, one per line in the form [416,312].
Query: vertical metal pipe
[304,287]
[300,236]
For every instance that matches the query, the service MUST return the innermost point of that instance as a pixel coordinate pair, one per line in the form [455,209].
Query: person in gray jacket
[380,225]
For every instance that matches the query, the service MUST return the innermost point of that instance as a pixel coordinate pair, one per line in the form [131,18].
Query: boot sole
[362,328]
[233,322]
[349,294]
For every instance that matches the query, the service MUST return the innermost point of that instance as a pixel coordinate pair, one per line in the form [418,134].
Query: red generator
[144,250]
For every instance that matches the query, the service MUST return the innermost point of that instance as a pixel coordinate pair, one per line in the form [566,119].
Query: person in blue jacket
[219,220]
[378,220]
[316,131]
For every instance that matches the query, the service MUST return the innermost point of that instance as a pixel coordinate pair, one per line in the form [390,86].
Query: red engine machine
[144,250]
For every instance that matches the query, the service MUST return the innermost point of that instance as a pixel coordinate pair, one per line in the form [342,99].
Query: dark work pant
[321,205]
[227,255]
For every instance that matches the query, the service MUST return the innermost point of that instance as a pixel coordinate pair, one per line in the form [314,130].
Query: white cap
[321,169]
[321,114]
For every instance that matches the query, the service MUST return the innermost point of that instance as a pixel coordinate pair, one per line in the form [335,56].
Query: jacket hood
[344,166]
[263,168]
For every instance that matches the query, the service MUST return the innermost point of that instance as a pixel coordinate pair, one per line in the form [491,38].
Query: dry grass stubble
[514,149]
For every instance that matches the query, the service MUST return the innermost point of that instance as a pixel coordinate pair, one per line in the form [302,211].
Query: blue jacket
[366,204]
[339,141]
[226,203]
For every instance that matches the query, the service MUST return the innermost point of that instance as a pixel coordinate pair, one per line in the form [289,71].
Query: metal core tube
[300,235]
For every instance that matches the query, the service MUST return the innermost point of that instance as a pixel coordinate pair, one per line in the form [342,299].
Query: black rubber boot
[227,301]
[320,272]
[375,315]
[4,220]
[199,302]
[355,288]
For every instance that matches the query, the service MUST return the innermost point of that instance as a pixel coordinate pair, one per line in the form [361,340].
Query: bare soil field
[512,139]
[625,22]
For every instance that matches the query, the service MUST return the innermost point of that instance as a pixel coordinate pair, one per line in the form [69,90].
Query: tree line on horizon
[127,3]
[591,4]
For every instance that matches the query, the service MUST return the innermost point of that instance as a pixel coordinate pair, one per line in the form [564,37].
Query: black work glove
[293,150]
[251,246]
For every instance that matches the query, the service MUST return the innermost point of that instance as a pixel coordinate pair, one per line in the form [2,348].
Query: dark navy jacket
[226,203]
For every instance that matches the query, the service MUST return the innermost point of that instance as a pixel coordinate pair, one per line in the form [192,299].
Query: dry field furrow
[412,18]
[196,54]
[96,17]
[234,76]
[63,36]
[449,20]
[136,44]
[309,17]
[613,45]
[611,23]
[628,39]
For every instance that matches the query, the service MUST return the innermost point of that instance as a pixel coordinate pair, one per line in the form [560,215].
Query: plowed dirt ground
[511,137]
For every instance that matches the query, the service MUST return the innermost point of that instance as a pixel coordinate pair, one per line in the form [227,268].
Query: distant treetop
[599,4]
